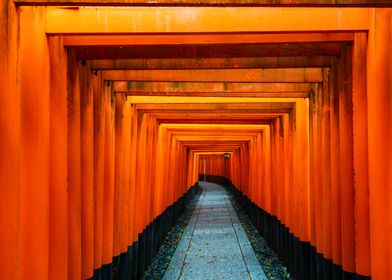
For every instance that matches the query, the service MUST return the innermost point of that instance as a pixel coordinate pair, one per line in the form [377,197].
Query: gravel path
[215,239]
[214,245]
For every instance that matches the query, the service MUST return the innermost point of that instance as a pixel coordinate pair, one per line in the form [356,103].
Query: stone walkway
[214,245]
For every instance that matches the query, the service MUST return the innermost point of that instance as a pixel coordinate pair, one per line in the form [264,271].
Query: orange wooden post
[288,162]
[379,142]
[166,158]
[87,170]
[159,192]
[346,162]
[140,165]
[267,172]
[108,190]
[10,145]
[336,213]
[118,173]
[360,142]
[301,176]
[74,173]
[133,193]
[126,227]
[149,170]
[99,166]
[171,174]
[326,169]
[260,170]
[275,170]
[315,176]
[58,192]
[280,168]
[35,135]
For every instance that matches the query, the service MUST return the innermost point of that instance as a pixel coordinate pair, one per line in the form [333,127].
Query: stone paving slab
[214,244]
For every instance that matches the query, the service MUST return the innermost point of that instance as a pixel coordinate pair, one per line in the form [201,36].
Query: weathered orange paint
[134,88]
[99,166]
[360,142]
[87,20]
[336,212]
[74,173]
[108,191]
[125,227]
[346,161]
[118,173]
[301,176]
[87,169]
[204,39]
[10,145]
[287,75]
[326,167]
[379,142]
[35,139]
[315,178]
[211,63]
[58,188]
[132,200]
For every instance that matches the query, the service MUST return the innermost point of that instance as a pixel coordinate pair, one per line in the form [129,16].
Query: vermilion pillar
[108,189]
[126,227]
[35,134]
[346,159]
[74,173]
[99,166]
[380,142]
[10,145]
[118,172]
[87,169]
[58,191]
[360,142]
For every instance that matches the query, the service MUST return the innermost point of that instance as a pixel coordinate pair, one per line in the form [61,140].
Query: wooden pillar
[326,168]
[126,228]
[74,173]
[380,142]
[133,193]
[336,213]
[316,177]
[314,108]
[158,198]
[301,176]
[360,142]
[118,172]
[35,135]
[287,160]
[267,170]
[346,159]
[87,169]
[10,145]
[140,167]
[108,190]
[99,166]
[58,192]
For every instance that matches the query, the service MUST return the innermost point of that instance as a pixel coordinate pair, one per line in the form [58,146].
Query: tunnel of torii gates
[109,114]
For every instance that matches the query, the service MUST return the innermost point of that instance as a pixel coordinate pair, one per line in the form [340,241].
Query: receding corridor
[113,111]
